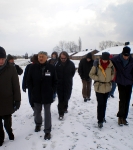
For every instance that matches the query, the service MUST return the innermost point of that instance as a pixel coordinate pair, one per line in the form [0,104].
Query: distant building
[114,50]
[83,54]
[71,54]
[26,56]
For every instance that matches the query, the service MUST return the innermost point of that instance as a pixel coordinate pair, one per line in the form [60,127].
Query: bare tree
[66,46]
[106,44]
[80,44]
[71,46]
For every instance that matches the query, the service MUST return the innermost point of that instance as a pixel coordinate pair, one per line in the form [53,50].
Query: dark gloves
[16,105]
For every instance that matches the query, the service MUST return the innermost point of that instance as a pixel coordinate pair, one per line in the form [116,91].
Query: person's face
[54,56]
[125,57]
[63,58]
[88,59]
[105,61]
[42,58]
[2,61]
[11,61]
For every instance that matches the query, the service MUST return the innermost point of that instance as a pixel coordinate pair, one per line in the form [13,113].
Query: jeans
[113,88]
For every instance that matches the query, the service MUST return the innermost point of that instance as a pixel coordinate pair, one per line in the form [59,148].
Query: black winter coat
[84,68]
[19,70]
[124,75]
[65,75]
[42,85]
[9,89]
[24,82]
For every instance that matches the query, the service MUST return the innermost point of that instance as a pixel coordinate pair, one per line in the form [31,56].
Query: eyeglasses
[63,58]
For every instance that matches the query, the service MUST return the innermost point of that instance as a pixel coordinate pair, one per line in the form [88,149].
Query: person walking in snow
[10,59]
[111,93]
[102,73]
[65,69]
[53,61]
[9,95]
[124,79]
[84,68]
[41,81]
[34,59]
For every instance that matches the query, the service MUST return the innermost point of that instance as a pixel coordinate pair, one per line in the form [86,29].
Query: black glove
[24,90]
[16,105]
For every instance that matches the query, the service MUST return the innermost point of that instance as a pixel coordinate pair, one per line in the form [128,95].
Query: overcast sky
[35,25]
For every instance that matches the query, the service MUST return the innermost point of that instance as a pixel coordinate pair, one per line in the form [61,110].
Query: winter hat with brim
[105,56]
[9,57]
[2,52]
[89,55]
[126,51]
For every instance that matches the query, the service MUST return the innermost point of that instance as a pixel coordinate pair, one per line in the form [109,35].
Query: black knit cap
[126,51]
[9,57]
[105,56]
[2,52]
[89,55]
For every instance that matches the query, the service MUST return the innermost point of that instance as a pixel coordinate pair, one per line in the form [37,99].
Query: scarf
[124,61]
[104,65]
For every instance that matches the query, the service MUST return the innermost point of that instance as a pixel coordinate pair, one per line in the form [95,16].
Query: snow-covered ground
[78,130]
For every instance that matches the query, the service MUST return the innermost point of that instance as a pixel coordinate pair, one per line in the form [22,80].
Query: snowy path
[78,130]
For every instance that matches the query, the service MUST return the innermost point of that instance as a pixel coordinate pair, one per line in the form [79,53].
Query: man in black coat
[41,82]
[34,60]
[10,96]
[65,71]
[124,78]
[84,68]
[10,59]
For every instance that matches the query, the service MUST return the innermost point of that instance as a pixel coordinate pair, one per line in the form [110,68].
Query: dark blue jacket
[65,75]
[124,75]
[42,85]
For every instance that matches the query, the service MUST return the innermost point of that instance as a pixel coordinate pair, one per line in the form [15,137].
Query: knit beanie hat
[9,57]
[89,55]
[2,52]
[126,51]
[105,56]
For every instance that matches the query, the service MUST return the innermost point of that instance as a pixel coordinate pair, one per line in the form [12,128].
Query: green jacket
[102,78]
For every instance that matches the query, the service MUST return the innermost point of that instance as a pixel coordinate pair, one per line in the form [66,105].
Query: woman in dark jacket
[65,71]
[84,68]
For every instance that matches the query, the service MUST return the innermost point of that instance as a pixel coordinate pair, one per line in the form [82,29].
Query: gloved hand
[24,90]
[95,63]
[16,105]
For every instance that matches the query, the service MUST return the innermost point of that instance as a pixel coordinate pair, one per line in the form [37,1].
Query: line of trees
[105,44]
[70,46]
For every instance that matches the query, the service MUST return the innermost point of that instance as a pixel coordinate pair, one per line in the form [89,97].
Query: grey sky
[35,25]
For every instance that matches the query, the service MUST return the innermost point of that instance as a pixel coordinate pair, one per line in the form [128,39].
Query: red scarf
[104,65]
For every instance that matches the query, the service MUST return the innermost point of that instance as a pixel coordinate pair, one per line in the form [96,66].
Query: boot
[61,117]
[85,99]
[65,111]
[37,128]
[125,122]
[47,136]
[11,136]
[120,121]
[100,125]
